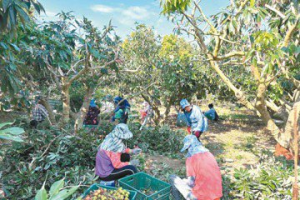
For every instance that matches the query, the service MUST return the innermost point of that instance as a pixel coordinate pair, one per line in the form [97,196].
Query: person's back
[92,116]
[211,114]
[39,113]
[208,179]
[121,111]
[196,119]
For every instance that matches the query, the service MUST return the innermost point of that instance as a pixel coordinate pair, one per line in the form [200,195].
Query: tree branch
[205,18]
[272,106]
[131,70]
[276,11]
[85,69]
[74,66]
[290,32]
[229,55]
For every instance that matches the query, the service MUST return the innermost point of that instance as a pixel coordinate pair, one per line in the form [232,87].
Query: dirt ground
[236,141]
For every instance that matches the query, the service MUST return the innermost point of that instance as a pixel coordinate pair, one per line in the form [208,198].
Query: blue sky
[123,13]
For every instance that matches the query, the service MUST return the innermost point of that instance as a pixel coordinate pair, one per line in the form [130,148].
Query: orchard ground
[235,140]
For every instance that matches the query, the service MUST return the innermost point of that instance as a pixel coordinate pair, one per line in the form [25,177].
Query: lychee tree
[259,37]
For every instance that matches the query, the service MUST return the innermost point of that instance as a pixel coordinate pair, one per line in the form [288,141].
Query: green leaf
[36,7]
[42,194]
[64,193]
[15,47]
[6,136]
[58,185]
[252,2]
[22,14]
[5,124]
[5,4]
[14,131]
[285,49]
[12,16]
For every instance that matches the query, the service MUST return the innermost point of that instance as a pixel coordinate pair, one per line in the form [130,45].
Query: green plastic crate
[132,194]
[142,181]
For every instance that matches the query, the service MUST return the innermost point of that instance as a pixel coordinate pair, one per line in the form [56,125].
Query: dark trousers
[120,173]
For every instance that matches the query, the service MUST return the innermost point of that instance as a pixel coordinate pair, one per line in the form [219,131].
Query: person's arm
[115,159]
[191,174]
[187,120]
[197,117]
[45,113]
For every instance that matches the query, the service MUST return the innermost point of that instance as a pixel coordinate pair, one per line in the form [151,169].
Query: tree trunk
[238,93]
[291,123]
[83,110]
[65,97]
[155,109]
[168,109]
[157,115]
[48,107]
[261,107]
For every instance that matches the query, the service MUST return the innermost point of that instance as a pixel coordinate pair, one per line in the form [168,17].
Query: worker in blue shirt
[211,114]
[197,122]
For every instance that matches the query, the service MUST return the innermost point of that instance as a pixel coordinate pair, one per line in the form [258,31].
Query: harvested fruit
[105,194]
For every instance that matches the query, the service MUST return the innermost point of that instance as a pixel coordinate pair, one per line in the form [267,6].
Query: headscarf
[113,141]
[191,143]
[93,103]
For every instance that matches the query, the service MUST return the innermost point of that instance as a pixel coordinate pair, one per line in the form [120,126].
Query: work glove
[134,162]
[136,151]
[197,133]
[191,181]
[190,196]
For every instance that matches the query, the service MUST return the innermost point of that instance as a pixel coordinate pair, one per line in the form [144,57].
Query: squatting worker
[39,113]
[110,163]
[204,180]
[197,122]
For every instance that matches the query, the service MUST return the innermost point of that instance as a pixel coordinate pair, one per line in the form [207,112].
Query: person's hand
[134,162]
[197,133]
[190,181]
[136,151]
[190,196]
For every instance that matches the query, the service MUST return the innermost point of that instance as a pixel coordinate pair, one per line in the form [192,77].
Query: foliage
[13,11]
[159,139]
[48,154]
[250,46]
[12,133]
[56,192]
[270,179]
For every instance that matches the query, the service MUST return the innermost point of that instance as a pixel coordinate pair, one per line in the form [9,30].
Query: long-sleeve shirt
[210,114]
[107,161]
[39,112]
[208,180]
[196,119]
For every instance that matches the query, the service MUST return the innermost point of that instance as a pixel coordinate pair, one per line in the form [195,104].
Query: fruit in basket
[104,194]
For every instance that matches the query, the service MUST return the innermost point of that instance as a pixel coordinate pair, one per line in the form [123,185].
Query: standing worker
[197,122]
[204,180]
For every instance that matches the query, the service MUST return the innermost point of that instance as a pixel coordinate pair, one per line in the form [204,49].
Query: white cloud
[102,8]
[50,13]
[136,12]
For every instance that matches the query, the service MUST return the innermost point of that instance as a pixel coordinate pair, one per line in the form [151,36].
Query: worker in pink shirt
[204,180]
[112,159]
